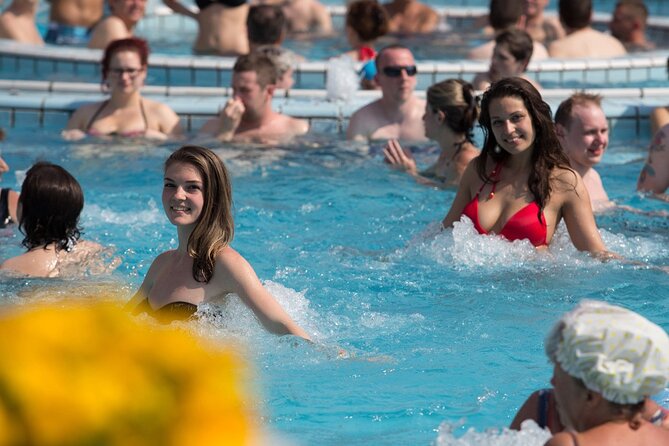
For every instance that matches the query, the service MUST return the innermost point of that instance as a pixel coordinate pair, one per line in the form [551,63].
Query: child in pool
[197,198]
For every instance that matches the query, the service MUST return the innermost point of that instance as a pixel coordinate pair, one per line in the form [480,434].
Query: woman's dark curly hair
[547,153]
[51,200]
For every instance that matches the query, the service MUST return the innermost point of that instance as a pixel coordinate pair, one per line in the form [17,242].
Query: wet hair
[563,114]
[130,44]
[456,99]
[518,42]
[214,228]
[51,200]
[394,46]
[575,14]
[259,64]
[547,153]
[266,24]
[505,13]
[368,19]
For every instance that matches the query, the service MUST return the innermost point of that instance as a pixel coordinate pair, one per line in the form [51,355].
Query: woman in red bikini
[126,113]
[521,185]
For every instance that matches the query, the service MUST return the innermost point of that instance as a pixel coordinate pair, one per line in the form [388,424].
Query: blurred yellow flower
[88,374]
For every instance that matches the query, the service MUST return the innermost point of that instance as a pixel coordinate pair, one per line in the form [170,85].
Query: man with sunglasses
[399,113]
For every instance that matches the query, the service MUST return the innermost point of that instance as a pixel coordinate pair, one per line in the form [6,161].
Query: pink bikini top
[524,224]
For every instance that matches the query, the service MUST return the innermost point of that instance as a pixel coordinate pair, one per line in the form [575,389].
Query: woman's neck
[451,143]
[183,234]
[122,100]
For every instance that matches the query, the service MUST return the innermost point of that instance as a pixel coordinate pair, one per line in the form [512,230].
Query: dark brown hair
[547,153]
[51,200]
[518,42]
[266,24]
[575,14]
[368,19]
[456,99]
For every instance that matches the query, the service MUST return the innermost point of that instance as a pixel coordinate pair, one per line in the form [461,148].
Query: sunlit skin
[586,138]
[182,194]
[119,25]
[504,64]
[248,115]
[512,127]
[122,115]
[398,114]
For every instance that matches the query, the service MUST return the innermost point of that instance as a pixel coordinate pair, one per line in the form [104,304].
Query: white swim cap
[614,351]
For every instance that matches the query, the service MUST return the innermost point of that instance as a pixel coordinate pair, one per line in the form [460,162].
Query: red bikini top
[366,53]
[524,224]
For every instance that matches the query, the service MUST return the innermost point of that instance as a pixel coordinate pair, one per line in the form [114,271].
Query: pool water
[442,328]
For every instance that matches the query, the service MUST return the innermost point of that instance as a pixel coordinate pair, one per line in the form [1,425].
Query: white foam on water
[529,435]
[146,215]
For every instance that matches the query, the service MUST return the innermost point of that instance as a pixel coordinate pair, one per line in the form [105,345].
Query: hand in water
[398,158]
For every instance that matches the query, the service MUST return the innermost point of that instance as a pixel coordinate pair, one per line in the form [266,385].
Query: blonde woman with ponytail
[451,111]
[197,199]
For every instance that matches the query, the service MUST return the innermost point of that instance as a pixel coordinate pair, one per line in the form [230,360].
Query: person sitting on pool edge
[450,115]
[607,362]
[510,57]
[50,203]
[399,112]
[120,24]
[126,113]
[248,115]
[583,132]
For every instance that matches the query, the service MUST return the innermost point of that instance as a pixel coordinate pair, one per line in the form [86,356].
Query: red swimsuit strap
[494,178]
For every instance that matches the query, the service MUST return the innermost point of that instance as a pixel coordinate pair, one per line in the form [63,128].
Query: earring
[497,150]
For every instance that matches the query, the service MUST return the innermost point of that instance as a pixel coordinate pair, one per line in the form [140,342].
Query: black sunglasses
[396,71]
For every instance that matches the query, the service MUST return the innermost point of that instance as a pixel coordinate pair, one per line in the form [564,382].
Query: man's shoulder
[366,110]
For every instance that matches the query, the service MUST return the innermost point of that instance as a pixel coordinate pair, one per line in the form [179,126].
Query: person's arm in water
[233,273]
[577,213]
[462,197]
[654,176]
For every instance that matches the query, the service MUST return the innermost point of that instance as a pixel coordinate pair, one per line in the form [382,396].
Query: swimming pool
[443,329]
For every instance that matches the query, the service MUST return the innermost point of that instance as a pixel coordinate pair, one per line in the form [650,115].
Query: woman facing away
[366,21]
[521,185]
[608,361]
[49,206]
[9,200]
[197,198]
[451,110]
[126,113]
[511,55]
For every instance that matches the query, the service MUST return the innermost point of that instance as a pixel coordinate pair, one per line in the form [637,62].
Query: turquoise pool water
[443,328]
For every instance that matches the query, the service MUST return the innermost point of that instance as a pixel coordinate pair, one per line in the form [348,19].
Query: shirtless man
[542,29]
[303,16]
[70,21]
[17,22]
[582,41]
[504,15]
[654,175]
[583,132]
[399,113]
[119,25]
[248,115]
[221,25]
[411,17]
[628,25]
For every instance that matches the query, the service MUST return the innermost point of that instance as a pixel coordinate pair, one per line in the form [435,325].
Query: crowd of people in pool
[533,170]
